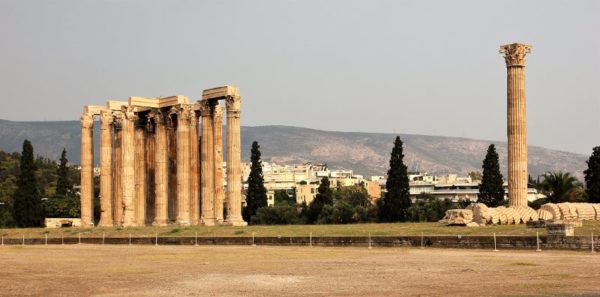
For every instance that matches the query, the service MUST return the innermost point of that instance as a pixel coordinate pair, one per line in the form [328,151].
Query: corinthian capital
[106,118]
[514,54]
[87,120]
[233,103]
[205,107]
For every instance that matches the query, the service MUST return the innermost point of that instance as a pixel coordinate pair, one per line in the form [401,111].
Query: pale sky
[418,67]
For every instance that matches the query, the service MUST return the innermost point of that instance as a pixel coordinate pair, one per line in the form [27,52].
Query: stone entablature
[151,161]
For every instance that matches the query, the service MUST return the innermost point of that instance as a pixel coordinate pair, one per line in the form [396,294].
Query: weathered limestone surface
[150,171]
[457,217]
[160,175]
[234,170]
[128,177]
[141,181]
[183,164]
[87,169]
[172,173]
[106,193]
[117,169]
[218,162]
[514,55]
[207,164]
[195,170]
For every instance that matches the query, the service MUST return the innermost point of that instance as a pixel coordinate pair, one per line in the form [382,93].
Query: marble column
[128,168]
[183,164]
[218,162]
[150,170]
[161,180]
[207,164]
[172,165]
[514,56]
[234,169]
[194,168]
[140,172]
[87,169]
[118,169]
[106,192]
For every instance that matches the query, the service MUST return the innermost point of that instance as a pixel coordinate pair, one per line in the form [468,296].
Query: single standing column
[195,168]
[150,170]
[172,165]
[106,194]
[128,177]
[183,164]
[140,173]
[87,169]
[162,168]
[218,162]
[207,175]
[118,169]
[234,170]
[514,55]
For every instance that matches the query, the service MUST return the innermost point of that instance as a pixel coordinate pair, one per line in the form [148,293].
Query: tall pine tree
[394,204]
[27,207]
[324,197]
[256,197]
[491,192]
[63,184]
[592,176]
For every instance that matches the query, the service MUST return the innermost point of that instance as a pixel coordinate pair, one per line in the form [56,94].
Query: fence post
[422,241]
[369,239]
[537,240]
[23,240]
[253,244]
[196,240]
[79,238]
[129,238]
[593,242]
[495,249]
[46,239]
[156,239]
[310,239]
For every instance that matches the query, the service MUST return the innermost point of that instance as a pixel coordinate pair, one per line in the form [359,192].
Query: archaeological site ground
[83,270]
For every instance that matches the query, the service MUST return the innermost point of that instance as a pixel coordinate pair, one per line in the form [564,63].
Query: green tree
[475,176]
[592,176]
[283,214]
[282,197]
[396,201]
[256,196]
[323,198]
[27,209]
[491,191]
[561,187]
[63,184]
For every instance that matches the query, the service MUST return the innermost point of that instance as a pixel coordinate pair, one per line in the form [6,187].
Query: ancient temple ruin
[153,168]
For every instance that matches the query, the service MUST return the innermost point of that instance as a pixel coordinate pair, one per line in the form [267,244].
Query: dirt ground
[84,270]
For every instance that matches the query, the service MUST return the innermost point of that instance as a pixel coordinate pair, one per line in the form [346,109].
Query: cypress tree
[27,209]
[491,191]
[63,184]
[396,201]
[324,197]
[256,197]
[592,176]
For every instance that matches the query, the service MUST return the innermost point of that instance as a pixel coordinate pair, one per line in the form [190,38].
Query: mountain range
[365,153]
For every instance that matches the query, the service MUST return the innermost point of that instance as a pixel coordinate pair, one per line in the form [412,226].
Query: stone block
[457,217]
[220,92]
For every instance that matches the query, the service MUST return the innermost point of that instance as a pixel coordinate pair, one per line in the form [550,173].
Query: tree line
[33,188]
[343,205]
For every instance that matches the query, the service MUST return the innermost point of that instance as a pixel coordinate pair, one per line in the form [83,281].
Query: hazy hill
[366,153]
